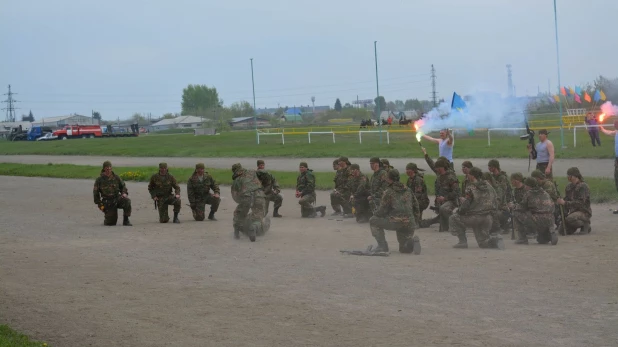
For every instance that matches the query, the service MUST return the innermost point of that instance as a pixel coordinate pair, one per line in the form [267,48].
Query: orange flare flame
[601,117]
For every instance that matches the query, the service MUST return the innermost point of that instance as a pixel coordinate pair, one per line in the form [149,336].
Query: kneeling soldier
[534,214]
[110,194]
[160,188]
[198,189]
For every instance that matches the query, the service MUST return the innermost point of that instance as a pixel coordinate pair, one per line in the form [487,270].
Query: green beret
[260,162]
[303,164]
[538,174]
[574,172]
[442,163]
[162,165]
[354,167]
[236,167]
[476,173]
[393,174]
[374,160]
[200,166]
[385,162]
[467,164]
[107,163]
[442,158]
[413,167]
[494,163]
[517,176]
[345,159]
[531,182]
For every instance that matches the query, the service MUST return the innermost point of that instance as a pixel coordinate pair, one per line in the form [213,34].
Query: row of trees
[420,106]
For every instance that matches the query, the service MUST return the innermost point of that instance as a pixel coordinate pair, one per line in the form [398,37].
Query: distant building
[411,115]
[61,121]
[247,122]
[184,122]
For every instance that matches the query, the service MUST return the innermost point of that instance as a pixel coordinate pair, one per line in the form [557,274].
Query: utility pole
[10,108]
[558,65]
[510,81]
[433,87]
[254,112]
[379,114]
[313,103]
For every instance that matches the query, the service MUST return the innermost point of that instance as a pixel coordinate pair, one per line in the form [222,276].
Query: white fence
[320,132]
[499,129]
[360,135]
[263,134]
[584,126]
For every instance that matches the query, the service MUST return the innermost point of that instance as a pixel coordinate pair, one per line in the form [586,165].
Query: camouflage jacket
[161,185]
[344,181]
[503,189]
[480,198]
[577,198]
[108,187]
[305,183]
[550,188]
[419,190]
[360,185]
[246,184]
[377,184]
[464,183]
[537,201]
[397,204]
[448,187]
[269,183]
[198,188]
[518,194]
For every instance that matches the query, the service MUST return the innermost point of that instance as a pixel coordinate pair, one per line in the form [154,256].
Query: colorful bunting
[571,91]
[597,96]
[557,98]
[563,91]
[587,97]
[602,96]
[578,90]
[576,97]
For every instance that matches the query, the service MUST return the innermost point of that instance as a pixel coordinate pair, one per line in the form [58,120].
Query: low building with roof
[186,122]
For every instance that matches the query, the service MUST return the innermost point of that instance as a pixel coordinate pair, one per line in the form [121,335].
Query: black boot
[126,222]
[321,209]
[211,216]
[463,241]
[176,220]
[276,213]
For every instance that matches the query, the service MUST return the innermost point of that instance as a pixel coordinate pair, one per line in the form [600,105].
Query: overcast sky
[121,57]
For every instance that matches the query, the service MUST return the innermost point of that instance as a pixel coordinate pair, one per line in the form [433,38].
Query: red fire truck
[92,131]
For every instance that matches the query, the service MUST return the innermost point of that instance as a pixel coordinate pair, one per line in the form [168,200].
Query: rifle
[511,213]
[530,137]
[563,229]
[156,203]
[368,252]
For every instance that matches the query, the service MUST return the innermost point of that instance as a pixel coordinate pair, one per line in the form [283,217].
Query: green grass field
[243,144]
[11,338]
[601,189]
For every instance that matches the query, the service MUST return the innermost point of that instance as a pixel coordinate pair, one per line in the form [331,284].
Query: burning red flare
[601,117]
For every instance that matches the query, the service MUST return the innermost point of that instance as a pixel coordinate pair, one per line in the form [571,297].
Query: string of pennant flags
[577,94]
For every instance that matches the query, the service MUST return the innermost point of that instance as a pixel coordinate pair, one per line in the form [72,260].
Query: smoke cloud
[609,109]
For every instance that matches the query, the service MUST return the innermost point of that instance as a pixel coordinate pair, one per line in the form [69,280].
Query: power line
[10,109]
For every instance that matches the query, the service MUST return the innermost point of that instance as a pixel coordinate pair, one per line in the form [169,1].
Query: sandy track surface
[588,167]
[68,280]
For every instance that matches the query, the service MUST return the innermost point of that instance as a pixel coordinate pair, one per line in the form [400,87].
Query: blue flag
[597,96]
[458,103]
[578,90]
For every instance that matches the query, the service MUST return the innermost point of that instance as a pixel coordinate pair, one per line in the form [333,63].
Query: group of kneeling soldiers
[487,201]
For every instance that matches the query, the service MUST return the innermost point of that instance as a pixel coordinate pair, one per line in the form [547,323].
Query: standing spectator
[445,145]
[614,133]
[593,130]
[545,154]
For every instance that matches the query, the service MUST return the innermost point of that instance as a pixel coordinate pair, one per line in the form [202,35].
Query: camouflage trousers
[574,221]
[363,212]
[499,218]
[480,225]
[527,222]
[198,207]
[340,200]
[542,167]
[111,208]
[306,209]
[404,230]
[276,198]
[163,207]
[444,213]
[245,205]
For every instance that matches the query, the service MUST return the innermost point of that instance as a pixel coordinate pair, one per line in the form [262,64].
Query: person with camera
[545,154]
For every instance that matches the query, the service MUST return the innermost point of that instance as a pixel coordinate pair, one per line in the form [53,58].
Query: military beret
[517,176]
[476,172]
[531,182]
[385,162]
[260,162]
[236,167]
[537,174]
[107,163]
[303,164]
[345,159]
[200,166]
[162,165]
[393,174]
[354,167]
[574,172]
[442,163]
[374,160]
[467,164]
[414,167]
[442,158]
[494,163]
[336,161]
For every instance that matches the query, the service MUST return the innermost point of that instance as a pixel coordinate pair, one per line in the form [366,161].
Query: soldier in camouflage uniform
[448,193]
[534,215]
[465,168]
[474,212]
[377,183]
[395,213]
[504,191]
[110,194]
[272,191]
[359,184]
[432,165]
[386,165]
[340,196]
[417,185]
[305,190]
[550,187]
[198,190]
[517,182]
[248,194]
[576,203]
[160,188]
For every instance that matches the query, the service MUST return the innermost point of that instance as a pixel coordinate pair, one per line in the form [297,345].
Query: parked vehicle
[47,137]
[92,131]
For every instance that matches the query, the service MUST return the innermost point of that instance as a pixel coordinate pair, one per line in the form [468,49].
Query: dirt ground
[68,280]
[589,167]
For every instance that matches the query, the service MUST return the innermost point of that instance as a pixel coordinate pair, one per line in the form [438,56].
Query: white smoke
[609,109]
[483,110]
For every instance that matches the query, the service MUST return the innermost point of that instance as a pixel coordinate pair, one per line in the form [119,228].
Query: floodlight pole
[254,112]
[379,114]
[558,63]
